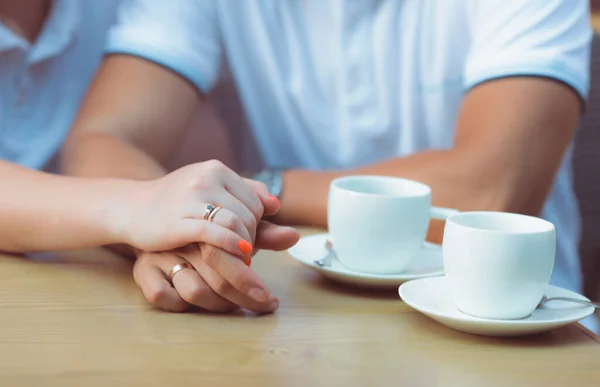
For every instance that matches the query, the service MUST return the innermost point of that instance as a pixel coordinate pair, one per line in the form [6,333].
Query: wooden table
[82,321]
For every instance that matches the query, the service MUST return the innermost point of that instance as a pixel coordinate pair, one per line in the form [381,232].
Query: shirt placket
[20,86]
[21,103]
[12,102]
[359,97]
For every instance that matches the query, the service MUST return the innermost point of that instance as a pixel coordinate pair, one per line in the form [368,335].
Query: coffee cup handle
[442,213]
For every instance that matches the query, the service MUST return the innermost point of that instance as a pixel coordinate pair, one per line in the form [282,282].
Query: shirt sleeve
[548,38]
[181,35]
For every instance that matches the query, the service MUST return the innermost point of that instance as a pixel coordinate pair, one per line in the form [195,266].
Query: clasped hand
[166,227]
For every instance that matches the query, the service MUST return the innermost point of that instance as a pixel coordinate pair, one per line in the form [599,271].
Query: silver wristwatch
[273,179]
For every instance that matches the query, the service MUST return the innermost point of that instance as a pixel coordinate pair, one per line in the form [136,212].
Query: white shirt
[42,85]
[334,83]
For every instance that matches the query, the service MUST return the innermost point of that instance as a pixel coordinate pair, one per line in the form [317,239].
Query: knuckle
[210,255]
[250,221]
[229,220]
[198,183]
[215,167]
[195,293]
[221,286]
[156,295]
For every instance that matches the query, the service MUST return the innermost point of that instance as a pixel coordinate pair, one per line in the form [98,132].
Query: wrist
[286,197]
[117,209]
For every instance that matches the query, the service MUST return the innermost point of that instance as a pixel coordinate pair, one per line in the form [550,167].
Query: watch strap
[273,179]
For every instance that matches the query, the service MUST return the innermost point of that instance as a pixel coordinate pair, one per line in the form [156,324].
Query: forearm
[455,180]
[510,138]
[43,212]
[304,199]
[96,154]
[100,155]
[133,118]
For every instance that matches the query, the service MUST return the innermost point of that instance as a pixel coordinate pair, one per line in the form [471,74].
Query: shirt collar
[58,32]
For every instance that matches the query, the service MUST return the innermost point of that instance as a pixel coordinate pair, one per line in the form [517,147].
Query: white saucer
[431,297]
[311,248]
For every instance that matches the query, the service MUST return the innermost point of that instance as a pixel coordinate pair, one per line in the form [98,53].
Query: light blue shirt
[42,85]
[334,84]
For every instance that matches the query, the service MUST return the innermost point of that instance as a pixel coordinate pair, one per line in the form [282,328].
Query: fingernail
[248,261]
[258,294]
[245,247]
[274,306]
[274,198]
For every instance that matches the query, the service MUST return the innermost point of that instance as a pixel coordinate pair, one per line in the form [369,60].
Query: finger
[227,291]
[190,286]
[270,236]
[156,289]
[231,203]
[217,233]
[193,289]
[229,220]
[234,272]
[270,202]
[245,193]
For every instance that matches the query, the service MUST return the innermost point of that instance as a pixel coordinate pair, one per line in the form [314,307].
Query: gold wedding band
[211,216]
[177,268]
[209,208]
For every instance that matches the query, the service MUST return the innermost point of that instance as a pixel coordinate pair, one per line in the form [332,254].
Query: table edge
[588,333]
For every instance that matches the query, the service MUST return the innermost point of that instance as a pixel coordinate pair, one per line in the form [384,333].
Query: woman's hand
[167,213]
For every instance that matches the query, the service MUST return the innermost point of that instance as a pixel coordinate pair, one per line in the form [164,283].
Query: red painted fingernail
[245,247]
[248,261]
[274,198]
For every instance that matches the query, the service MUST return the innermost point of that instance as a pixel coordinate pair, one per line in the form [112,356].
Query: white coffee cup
[378,224]
[498,265]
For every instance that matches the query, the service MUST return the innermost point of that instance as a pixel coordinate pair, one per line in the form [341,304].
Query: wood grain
[79,319]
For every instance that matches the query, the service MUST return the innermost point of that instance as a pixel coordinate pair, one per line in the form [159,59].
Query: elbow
[83,148]
[504,185]
[72,152]
[508,194]
[507,203]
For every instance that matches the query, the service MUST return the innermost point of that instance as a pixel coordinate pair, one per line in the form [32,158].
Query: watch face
[263,176]
[272,179]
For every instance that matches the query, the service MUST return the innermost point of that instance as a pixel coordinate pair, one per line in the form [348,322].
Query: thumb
[270,236]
